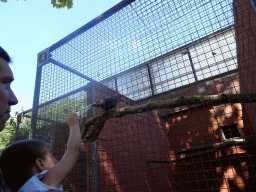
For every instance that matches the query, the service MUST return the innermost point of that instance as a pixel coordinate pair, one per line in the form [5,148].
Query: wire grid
[148,51]
[141,32]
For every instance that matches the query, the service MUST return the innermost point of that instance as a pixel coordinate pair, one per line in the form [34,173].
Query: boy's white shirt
[35,185]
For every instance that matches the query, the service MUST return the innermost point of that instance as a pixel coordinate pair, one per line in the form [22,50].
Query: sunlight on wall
[106,164]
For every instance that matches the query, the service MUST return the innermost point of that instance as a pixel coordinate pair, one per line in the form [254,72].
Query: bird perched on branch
[107,103]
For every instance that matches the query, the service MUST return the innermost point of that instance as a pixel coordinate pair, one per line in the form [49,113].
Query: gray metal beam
[43,119]
[71,70]
[94,148]
[36,101]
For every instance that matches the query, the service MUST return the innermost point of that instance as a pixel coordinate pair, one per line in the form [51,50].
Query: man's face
[7,97]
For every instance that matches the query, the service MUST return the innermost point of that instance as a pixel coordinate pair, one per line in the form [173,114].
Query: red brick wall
[220,170]
[76,180]
[245,30]
[126,144]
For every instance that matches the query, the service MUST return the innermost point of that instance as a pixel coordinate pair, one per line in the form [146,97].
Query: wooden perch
[213,100]
[205,149]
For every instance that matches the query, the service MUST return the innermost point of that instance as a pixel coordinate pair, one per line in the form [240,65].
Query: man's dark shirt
[3,186]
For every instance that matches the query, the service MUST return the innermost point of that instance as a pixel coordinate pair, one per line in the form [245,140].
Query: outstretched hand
[73,119]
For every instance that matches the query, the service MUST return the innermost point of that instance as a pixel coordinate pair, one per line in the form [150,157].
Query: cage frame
[47,59]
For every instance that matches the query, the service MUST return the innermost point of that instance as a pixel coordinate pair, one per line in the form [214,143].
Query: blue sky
[28,27]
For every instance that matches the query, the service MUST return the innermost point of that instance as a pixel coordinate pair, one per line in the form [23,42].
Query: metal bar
[27,111]
[17,132]
[150,81]
[95,158]
[53,137]
[192,65]
[43,119]
[82,111]
[116,84]
[36,101]
[187,86]
[70,69]
[92,23]
[253,4]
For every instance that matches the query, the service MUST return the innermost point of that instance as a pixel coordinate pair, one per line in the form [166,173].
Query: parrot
[107,103]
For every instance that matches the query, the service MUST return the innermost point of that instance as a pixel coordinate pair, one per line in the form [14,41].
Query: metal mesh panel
[140,32]
[215,55]
[160,52]
[56,82]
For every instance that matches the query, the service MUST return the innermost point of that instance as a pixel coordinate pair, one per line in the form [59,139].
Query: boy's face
[50,161]
[7,97]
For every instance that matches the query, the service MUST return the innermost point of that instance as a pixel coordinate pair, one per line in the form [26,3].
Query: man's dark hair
[4,55]
[18,159]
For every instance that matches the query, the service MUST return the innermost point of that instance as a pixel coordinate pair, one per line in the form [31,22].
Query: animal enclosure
[183,72]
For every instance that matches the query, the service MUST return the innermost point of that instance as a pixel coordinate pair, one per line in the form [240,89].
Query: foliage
[25,126]
[59,4]
[62,3]
[8,134]
[60,110]
[57,111]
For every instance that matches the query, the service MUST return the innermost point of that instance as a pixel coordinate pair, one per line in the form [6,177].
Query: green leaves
[7,135]
[62,3]
[57,111]
[59,4]
[60,110]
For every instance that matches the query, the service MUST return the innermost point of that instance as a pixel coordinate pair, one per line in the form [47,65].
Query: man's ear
[40,164]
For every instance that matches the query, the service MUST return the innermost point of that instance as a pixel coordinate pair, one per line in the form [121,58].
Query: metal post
[116,84]
[53,136]
[36,102]
[192,65]
[94,148]
[150,80]
[17,131]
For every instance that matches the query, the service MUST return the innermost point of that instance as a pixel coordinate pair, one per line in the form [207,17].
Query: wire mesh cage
[183,73]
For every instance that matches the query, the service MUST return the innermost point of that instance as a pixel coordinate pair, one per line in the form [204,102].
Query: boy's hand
[73,119]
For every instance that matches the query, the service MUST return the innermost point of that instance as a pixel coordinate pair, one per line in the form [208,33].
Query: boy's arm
[55,175]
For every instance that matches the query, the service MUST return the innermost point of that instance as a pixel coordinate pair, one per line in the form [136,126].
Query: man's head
[7,97]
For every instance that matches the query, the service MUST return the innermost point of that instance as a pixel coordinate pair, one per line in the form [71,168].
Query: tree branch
[205,149]
[99,120]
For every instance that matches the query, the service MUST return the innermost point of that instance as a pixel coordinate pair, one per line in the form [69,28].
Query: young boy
[28,165]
